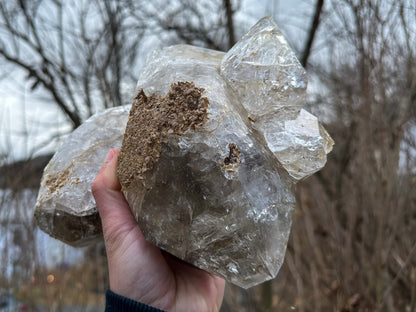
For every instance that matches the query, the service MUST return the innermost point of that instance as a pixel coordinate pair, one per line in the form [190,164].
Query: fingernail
[110,156]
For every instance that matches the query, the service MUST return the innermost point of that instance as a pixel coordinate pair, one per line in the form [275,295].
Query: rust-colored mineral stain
[233,156]
[55,183]
[231,162]
[151,119]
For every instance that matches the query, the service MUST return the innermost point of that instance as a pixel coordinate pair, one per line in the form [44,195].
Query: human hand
[139,270]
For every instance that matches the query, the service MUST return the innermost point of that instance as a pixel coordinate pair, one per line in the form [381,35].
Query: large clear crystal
[212,148]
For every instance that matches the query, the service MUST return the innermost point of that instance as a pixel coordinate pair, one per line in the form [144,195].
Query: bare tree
[312,32]
[203,23]
[81,55]
[79,58]
[350,247]
[84,55]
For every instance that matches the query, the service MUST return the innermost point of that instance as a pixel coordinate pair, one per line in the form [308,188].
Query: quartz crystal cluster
[212,147]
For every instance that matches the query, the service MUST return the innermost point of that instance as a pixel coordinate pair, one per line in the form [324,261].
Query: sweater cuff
[117,303]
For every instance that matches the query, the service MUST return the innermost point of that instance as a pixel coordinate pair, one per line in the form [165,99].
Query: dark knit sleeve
[117,303]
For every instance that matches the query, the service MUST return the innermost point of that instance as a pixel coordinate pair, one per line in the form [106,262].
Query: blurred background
[353,240]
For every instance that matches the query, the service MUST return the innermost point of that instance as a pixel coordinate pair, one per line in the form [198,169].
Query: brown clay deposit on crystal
[151,119]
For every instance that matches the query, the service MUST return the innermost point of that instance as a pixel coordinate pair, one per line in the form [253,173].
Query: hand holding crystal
[139,270]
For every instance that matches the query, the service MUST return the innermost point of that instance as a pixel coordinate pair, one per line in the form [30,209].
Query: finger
[106,187]
[115,213]
[109,170]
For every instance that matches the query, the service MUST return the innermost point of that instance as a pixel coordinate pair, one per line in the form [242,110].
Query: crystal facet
[264,72]
[212,147]
[65,207]
[299,144]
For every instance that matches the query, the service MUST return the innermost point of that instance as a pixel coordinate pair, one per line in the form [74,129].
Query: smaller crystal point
[264,72]
[300,144]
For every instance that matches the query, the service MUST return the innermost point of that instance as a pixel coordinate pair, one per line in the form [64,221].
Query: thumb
[116,217]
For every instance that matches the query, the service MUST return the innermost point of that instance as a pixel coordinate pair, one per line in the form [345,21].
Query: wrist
[118,303]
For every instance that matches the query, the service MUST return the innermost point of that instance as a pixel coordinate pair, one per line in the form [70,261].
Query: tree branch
[230,24]
[33,73]
[312,32]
